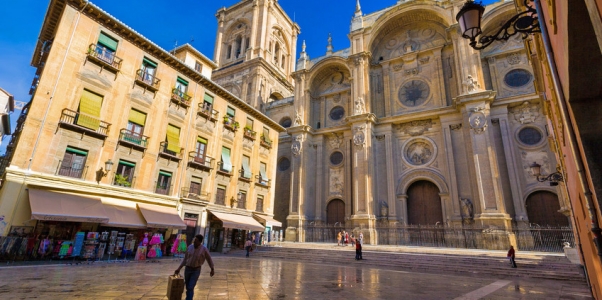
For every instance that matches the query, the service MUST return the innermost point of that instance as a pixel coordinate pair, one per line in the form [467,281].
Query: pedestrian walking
[352,240]
[511,256]
[248,245]
[358,250]
[339,236]
[361,238]
[193,260]
[346,238]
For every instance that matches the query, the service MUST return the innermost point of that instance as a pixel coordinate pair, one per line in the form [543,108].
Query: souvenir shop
[226,231]
[88,229]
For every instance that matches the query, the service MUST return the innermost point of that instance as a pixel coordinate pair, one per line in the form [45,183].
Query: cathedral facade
[409,125]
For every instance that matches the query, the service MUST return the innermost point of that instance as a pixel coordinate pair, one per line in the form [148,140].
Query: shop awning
[238,221]
[123,216]
[161,216]
[269,221]
[53,206]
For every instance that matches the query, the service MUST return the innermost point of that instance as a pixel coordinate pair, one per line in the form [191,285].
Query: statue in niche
[360,106]
[384,210]
[472,85]
[467,211]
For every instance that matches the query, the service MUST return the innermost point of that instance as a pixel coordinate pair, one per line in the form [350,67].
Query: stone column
[447,126]
[475,108]
[217,55]
[320,178]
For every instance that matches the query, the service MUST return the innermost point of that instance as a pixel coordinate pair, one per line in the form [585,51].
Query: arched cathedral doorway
[542,209]
[335,212]
[424,204]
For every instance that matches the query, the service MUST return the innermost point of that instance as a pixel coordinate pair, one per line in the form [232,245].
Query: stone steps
[487,264]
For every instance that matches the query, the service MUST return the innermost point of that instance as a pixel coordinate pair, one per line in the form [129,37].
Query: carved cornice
[368,117]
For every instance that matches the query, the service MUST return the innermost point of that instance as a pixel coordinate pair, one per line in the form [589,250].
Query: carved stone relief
[415,128]
[359,136]
[478,120]
[525,113]
[360,106]
[418,152]
[513,58]
[336,182]
[296,146]
[335,140]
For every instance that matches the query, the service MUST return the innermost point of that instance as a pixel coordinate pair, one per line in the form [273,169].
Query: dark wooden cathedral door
[424,204]
[335,212]
[542,209]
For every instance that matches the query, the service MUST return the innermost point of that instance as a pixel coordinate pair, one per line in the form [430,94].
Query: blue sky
[166,23]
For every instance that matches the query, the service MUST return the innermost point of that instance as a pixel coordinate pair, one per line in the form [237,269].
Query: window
[265,137]
[198,66]
[226,164]
[148,70]
[106,47]
[336,158]
[246,167]
[200,150]
[337,113]
[135,127]
[124,176]
[163,183]
[229,53]
[284,164]
[207,104]
[247,44]
[286,122]
[259,206]
[89,110]
[238,46]
[263,176]
[517,78]
[242,200]
[181,87]
[282,62]
[73,163]
[230,115]
[276,53]
[220,195]
[249,124]
[195,186]
[530,136]
[173,140]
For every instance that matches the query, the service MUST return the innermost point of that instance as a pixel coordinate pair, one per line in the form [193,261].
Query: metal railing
[224,171]
[265,142]
[78,172]
[163,190]
[250,134]
[148,78]
[241,175]
[548,239]
[76,118]
[202,161]
[180,97]
[104,55]
[163,150]
[133,137]
[206,110]
[262,181]
[194,193]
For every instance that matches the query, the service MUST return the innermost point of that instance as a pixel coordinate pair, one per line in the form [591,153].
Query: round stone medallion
[413,93]
[419,152]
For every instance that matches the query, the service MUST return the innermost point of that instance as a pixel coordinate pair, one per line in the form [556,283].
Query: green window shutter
[246,161]
[107,41]
[127,163]
[137,117]
[230,111]
[89,108]
[262,171]
[165,173]
[182,81]
[226,163]
[201,140]
[77,151]
[149,62]
[173,138]
[208,98]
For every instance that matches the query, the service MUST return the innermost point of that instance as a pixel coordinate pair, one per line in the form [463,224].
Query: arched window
[276,53]
[238,44]
[229,53]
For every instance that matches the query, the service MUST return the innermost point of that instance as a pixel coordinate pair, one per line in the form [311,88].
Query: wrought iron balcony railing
[203,162]
[180,97]
[85,123]
[147,80]
[133,138]
[104,56]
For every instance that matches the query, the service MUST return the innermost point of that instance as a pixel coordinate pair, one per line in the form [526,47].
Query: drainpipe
[562,101]
[35,146]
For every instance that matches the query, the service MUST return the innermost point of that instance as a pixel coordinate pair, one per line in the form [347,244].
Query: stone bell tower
[255,51]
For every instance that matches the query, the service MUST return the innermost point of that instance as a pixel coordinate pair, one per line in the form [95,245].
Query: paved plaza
[264,278]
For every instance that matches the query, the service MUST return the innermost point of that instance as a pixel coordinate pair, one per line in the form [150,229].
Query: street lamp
[553,178]
[470,15]
[102,173]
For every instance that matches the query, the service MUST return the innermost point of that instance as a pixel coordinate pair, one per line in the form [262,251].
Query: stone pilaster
[297,215]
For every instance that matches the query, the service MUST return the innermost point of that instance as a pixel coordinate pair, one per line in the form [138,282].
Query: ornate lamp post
[470,15]
[102,173]
[553,178]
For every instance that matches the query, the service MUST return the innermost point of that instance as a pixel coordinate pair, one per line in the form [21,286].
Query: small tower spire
[358,9]
[329,47]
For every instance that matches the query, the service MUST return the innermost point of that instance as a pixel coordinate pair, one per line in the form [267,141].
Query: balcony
[170,155]
[133,139]
[249,134]
[194,194]
[85,124]
[230,124]
[180,98]
[73,171]
[200,162]
[206,111]
[147,80]
[262,181]
[265,142]
[123,181]
[162,190]
[223,171]
[104,57]
[241,176]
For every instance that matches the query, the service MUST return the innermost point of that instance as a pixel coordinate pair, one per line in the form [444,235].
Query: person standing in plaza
[193,260]
[248,245]
[358,250]
[361,238]
[339,236]
[511,256]
[346,238]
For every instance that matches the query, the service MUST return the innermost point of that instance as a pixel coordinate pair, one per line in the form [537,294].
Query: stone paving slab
[264,278]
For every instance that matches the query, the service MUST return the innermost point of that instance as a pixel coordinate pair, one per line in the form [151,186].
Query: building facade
[411,126]
[116,118]
[567,58]
[7,106]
